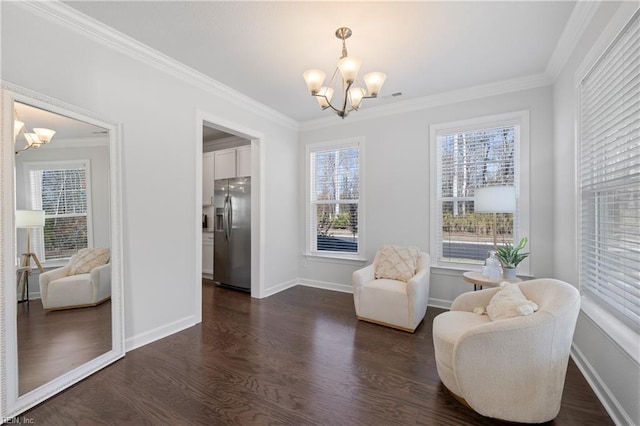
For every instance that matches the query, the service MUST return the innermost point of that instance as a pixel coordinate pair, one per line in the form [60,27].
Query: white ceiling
[261,49]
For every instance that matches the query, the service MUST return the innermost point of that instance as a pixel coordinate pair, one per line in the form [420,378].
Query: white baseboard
[279,287]
[440,303]
[150,336]
[343,288]
[608,400]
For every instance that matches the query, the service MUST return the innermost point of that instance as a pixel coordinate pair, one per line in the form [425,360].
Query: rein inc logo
[18,421]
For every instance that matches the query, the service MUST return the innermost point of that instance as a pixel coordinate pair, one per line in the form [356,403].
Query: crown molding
[440,99]
[616,25]
[109,37]
[577,24]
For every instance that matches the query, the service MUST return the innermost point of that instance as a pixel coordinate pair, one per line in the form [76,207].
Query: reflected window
[60,189]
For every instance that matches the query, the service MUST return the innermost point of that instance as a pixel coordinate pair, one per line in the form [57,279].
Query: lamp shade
[17,126]
[44,135]
[349,68]
[314,80]
[324,97]
[356,94]
[29,218]
[374,82]
[495,199]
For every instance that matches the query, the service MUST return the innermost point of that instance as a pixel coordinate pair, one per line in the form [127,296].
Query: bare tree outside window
[335,194]
[62,194]
[471,160]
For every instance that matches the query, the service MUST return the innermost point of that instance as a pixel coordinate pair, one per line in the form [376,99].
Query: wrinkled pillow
[88,258]
[397,263]
[510,302]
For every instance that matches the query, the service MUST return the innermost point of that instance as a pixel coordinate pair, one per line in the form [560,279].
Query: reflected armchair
[84,281]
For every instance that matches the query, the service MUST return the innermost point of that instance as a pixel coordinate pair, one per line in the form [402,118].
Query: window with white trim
[334,210]
[61,189]
[609,179]
[468,155]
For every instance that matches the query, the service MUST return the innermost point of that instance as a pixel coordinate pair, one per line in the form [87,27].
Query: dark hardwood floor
[53,343]
[296,358]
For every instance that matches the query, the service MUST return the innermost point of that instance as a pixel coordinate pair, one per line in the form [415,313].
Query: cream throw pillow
[88,258]
[510,302]
[397,263]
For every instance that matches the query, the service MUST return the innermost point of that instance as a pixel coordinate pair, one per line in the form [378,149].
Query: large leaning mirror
[63,302]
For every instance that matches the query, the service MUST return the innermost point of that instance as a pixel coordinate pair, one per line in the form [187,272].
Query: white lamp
[29,219]
[495,199]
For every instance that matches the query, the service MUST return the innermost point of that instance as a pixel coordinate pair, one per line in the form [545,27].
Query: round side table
[476,278]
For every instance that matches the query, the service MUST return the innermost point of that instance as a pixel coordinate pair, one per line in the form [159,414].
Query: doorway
[217,135]
[225,158]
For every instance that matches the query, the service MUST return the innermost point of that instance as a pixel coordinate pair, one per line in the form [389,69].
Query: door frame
[204,118]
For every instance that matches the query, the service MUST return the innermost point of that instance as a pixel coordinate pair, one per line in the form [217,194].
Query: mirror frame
[11,403]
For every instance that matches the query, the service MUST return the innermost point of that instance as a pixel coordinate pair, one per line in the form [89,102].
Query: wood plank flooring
[53,343]
[296,358]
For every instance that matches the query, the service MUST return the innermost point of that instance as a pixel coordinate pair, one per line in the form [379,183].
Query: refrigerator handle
[225,217]
[230,218]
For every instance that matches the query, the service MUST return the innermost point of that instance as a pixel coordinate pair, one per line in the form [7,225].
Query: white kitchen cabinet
[207,253]
[243,161]
[233,162]
[208,175]
[225,163]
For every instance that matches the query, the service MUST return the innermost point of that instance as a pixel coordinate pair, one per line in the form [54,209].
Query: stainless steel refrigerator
[232,233]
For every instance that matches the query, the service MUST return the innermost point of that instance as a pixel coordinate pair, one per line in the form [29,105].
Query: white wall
[613,373]
[397,190]
[158,111]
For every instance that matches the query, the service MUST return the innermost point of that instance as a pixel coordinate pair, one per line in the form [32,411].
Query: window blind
[610,178]
[469,160]
[334,198]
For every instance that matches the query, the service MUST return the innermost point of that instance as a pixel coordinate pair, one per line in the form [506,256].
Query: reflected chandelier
[38,137]
[348,67]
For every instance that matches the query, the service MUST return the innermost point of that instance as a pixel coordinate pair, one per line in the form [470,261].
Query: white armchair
[61,290]
[391,302]
[510,369]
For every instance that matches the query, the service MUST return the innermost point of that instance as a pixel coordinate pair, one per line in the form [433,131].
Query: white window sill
[336,258]
[627,339]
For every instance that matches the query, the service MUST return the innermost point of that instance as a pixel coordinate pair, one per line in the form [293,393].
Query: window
[609,179]
[334,205]
[470,155]
[61,190]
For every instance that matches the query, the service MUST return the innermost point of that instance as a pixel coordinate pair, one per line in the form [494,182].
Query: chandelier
[37,137]
[352,95]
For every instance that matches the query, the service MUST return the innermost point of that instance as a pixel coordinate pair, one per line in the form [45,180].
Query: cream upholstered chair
[84,281]
[510,369]
[392,302]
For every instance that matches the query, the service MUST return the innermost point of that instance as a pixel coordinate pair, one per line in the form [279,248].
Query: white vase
[509,273]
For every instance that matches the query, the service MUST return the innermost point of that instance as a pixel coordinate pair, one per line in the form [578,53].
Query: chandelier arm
[328,102]
[345,100]
[22,150]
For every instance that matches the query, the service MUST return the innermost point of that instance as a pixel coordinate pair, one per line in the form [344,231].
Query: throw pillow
[88,258]
[397,263]
[510,302]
